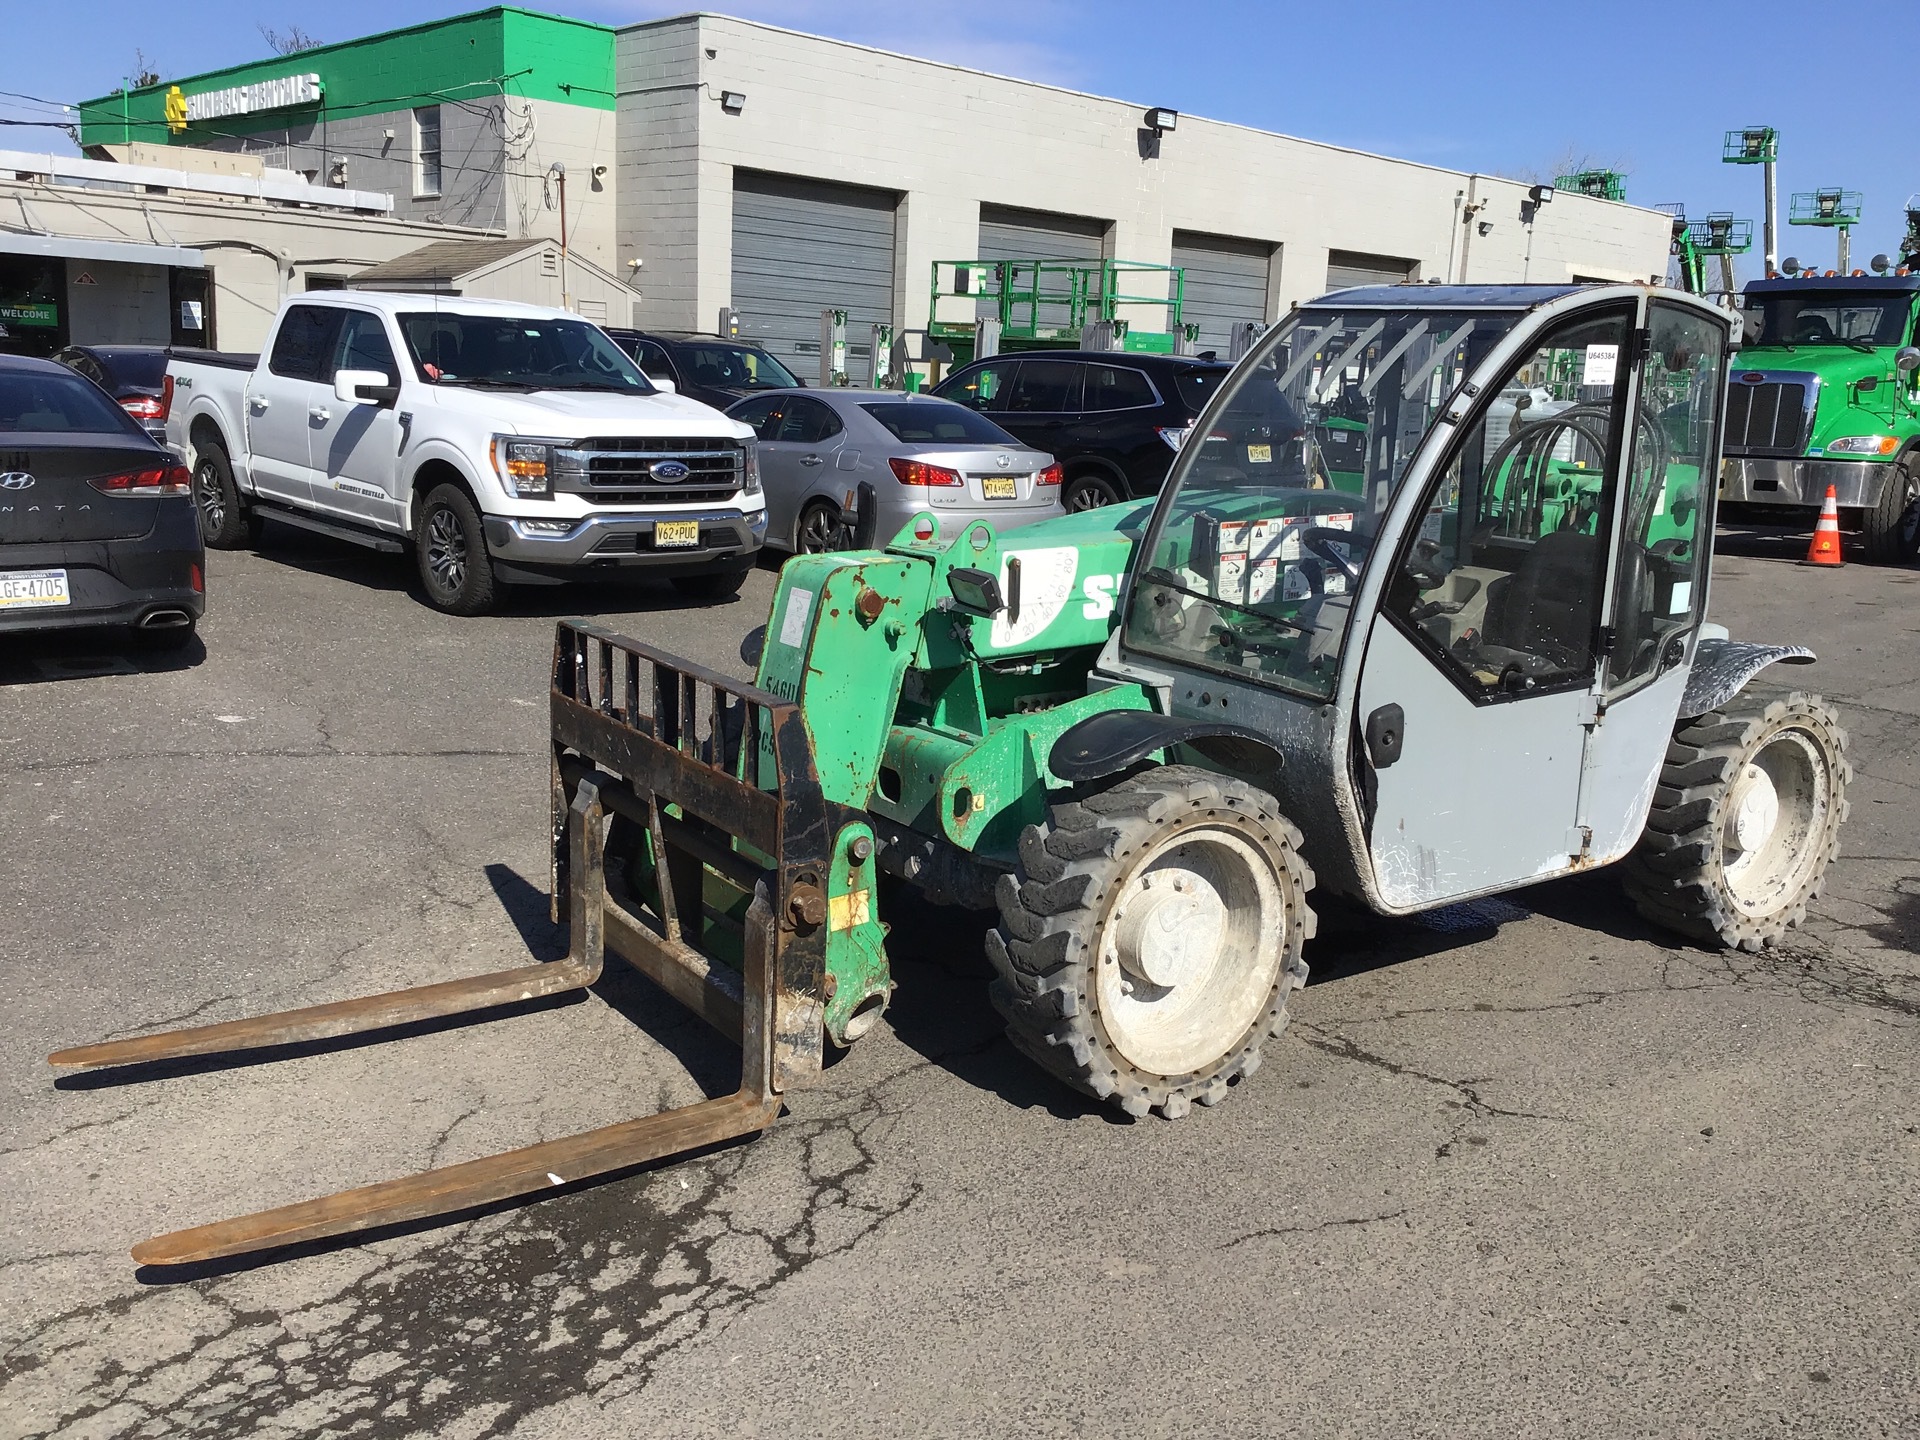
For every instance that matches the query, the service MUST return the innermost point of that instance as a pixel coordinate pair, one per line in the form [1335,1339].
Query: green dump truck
[1824,394]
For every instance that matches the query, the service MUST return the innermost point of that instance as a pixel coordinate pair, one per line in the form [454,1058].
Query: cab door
[1477,685]
[356,447]
[1659,585]
[286,402]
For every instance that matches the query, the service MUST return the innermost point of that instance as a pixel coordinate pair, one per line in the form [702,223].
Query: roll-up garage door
[1226,284]
[803,246]
[1009,234]
[1348,268]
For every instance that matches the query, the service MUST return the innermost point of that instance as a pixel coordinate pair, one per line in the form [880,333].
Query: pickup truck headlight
[526,467]
[750,468]
[1864,445]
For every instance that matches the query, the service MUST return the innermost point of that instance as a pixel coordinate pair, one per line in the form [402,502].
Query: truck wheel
[451,548]
[1891,529]
[225,521]
[1745,821]
[1150,938]
[718,585]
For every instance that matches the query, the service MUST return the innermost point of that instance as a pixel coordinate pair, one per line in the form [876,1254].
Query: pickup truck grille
[712,467]
[1767,417]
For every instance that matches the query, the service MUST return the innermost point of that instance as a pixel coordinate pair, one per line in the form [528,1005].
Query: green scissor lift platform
[1047,304]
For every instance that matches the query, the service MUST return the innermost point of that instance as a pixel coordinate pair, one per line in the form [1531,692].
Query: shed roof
[444,262]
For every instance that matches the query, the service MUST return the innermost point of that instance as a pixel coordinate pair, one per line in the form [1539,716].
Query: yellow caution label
[846,911]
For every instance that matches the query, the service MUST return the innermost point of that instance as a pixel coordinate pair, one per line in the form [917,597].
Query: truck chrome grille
[1766,417]
[712,466]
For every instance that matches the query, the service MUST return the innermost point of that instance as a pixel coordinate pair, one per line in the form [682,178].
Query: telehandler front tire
[1745,821]
[1150,938]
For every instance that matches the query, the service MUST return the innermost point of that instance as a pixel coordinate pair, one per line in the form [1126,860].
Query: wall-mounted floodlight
[733,101]
[1540,194]
[1160,119]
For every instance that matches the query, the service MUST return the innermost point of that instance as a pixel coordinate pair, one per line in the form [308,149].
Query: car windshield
[518,353]
[731,367]
[936,422]
[1258,541]
[1864,322]
[40,403]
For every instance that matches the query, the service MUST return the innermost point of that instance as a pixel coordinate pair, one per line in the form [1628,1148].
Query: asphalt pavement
[1526,1167]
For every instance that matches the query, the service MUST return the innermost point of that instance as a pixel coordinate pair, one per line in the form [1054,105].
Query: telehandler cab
[1143,733]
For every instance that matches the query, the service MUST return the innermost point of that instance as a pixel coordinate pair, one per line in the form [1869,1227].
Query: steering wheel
[1425,565]
[1320,540]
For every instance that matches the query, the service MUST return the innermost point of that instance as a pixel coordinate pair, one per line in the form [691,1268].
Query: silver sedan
[918,452]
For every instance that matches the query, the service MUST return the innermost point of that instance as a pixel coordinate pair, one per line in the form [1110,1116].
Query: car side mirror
[1907,361]
[664,385]
[364,387]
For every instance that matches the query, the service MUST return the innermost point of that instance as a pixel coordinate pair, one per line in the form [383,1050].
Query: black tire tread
[478,595]
[238,527]
[1049,907]
[1673,875]
[1881,541]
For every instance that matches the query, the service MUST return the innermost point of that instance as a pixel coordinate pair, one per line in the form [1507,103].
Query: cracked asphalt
[1525,1167]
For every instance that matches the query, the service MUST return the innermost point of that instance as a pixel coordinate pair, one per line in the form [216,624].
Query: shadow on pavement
[42,658]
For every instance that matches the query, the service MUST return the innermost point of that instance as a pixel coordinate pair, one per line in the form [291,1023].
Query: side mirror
[1907,361]
[364,387]
[664,385]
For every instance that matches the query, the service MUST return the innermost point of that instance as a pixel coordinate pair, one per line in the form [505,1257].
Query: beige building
[779,173]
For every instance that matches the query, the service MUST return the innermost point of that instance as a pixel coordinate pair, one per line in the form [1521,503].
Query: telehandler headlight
[1864,445]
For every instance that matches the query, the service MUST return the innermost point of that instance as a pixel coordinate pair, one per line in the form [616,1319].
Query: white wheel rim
[1191,952]
[1774,823]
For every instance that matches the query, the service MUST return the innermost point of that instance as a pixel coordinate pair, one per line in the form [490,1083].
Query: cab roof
[1414,296]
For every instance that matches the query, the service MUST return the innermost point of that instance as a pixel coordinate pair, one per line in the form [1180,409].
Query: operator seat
[1547,607]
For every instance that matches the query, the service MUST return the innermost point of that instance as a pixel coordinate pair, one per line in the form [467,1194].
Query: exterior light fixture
[1160,119]
[733,101]
[1540,194]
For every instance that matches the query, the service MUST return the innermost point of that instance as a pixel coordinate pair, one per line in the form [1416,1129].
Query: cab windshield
[1274,503]
[1862,322]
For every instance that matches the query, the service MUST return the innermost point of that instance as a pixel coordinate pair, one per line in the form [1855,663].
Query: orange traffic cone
[1825,549]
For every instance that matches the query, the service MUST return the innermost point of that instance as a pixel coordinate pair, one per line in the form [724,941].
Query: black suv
[709,368]
[1113,420]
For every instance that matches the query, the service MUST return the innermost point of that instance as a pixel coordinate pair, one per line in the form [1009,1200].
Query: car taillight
[144,407]
[1052,475]
[918,472]
[197,580]
[143,484]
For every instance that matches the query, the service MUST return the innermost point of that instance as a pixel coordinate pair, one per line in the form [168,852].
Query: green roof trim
[523,53]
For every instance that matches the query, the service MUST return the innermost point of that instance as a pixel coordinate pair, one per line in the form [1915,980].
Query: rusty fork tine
[397,1007]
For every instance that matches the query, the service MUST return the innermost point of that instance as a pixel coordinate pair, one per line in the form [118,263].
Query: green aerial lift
[1040,304]
[1142,735]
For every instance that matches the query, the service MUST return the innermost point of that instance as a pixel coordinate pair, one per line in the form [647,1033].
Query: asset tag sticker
[793,628]
[1602,362]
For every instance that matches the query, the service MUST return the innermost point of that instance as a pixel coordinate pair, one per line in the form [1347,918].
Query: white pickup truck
[502,443]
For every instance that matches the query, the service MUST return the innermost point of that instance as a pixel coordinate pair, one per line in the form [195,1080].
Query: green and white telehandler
[1143,734]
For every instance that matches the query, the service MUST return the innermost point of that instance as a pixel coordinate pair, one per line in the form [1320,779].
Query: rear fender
[1722,668]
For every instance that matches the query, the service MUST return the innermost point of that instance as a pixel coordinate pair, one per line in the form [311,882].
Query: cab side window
[363,346]
[303,346]
[1669,487]
[1502,582]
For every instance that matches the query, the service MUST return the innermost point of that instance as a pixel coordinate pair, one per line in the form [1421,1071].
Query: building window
[426,151]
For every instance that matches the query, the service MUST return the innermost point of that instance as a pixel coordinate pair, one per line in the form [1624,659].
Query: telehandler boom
[1142,734]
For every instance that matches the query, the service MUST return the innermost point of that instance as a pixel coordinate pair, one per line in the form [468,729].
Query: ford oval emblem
[668,471]
[15,480]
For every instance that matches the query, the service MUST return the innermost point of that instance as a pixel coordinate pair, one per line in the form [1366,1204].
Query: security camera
[599,172]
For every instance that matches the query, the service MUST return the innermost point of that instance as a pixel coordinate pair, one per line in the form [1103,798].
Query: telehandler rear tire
[1150,938]
[1745,821]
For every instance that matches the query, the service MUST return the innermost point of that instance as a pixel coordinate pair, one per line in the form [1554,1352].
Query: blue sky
[1495,86]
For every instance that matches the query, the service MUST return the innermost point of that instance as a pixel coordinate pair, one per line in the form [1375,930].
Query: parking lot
[1521,1167]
